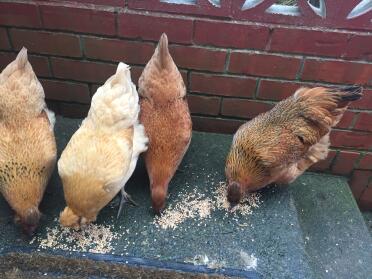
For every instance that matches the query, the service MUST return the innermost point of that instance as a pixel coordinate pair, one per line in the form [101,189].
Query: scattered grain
[191,206]
[92,238]
[196,206]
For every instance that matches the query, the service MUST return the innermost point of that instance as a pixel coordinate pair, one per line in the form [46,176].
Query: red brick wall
[236,63]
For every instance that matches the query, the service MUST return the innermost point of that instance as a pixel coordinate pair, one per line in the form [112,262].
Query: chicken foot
[125,198]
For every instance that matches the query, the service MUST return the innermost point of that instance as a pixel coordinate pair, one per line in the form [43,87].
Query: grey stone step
[311,229]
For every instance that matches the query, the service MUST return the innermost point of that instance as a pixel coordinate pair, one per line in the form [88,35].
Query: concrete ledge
[311,229]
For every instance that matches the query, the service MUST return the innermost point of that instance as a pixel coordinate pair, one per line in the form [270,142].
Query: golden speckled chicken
[102,154]
[27,144]
[279,145]
[166,117]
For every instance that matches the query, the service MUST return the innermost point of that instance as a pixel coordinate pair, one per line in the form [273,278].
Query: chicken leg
[125,198]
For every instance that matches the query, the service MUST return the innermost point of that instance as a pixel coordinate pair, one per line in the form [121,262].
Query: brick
[94,88]
[138,26]
[365,200]
[277,90]
[82,20]
[53,106]
[352,139]
[345,162]
[365,102]
[117,50]
[337,71]
[230,34]
[215,125]
[243,108]
[135,73]
[366,162]
[6,58]
[364,122]
[222,85]
[188,7]
[308,42]
[66,91]
[73,110]
[264,65]
[346,120]
[82,70]
[4,41]
[114,3]
[359,47]
[19,14]
[198,58]
[324,164]
[46,42]
[204,105]
[359,182]
[39,63]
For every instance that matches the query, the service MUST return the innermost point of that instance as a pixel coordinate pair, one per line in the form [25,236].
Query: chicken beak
[158,212]
[29,229]
[234,193]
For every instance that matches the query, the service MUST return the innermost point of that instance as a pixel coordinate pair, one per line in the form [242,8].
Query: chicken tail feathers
[350,93]
[163,51]
[21,93]
[22,58]
[345,95]
[324,107]
[115,103]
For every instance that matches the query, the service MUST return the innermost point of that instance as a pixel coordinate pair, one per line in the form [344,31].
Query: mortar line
[206,46]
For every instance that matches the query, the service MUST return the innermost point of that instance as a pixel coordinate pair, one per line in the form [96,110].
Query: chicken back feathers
[103,152]
[166,117]
[279,145]
[27,143]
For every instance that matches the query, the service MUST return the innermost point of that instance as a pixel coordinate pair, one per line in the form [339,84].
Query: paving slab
[368,219]
[311,229]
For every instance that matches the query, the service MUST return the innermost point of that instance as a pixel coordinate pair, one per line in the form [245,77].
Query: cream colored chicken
[102,154]
[279,145]
[27,143]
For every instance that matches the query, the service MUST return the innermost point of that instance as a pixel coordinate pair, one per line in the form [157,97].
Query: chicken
[27,144]
[166,117]
[102,154]
[279,145]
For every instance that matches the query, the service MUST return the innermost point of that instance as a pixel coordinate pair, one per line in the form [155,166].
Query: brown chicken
[166,117]
[279,145]
[27,143]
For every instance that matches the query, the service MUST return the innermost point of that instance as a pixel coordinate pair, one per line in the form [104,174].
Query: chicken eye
[301,139]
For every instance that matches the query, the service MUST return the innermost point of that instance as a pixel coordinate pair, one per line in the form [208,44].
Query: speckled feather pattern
[280,144]
[27,159]
[27,144]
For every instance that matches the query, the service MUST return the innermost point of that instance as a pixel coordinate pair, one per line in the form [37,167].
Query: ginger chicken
[279,145]
[27,144]
[102,154]
[166,117]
